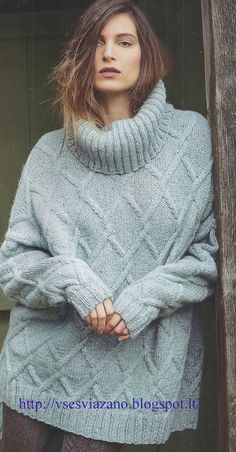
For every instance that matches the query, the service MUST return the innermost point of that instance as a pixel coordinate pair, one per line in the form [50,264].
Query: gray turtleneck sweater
[128,214]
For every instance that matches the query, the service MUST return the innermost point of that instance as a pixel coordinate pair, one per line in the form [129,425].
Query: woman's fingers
[101,314]
[101,318]
[109,308]
[104,320]
[119,329]
[111,324]
[124,338]
[116,326]
[105,311]
[93,319]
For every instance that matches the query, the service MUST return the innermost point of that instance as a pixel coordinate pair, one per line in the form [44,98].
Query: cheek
[134,62]
[96,61]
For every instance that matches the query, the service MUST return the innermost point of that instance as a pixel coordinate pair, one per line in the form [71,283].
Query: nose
[108,53]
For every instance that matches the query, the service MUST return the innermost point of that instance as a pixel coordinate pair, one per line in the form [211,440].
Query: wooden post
[218,19]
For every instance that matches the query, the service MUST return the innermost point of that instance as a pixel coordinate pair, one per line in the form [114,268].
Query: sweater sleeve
[30,275]
[191,278]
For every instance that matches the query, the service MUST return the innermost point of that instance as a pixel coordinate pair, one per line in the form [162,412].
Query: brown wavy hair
[74,75]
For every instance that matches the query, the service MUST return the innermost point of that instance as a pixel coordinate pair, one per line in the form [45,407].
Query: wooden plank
[218,19]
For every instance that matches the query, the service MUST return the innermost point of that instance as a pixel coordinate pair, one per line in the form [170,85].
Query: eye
[125,42]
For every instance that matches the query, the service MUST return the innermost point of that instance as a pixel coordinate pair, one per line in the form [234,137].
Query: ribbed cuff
[136,314]
[84,299]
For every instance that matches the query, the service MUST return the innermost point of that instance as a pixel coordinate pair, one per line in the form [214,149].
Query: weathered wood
[218,17]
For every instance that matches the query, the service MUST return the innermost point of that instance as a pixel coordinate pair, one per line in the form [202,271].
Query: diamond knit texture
[127,214]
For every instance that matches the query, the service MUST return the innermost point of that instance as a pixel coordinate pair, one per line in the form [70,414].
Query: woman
[111,246]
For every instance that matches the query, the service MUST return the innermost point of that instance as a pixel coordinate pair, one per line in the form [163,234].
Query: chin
[111,86]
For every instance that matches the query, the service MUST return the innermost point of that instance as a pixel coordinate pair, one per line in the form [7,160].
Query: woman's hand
[98,317]
[104,320]
[116,326]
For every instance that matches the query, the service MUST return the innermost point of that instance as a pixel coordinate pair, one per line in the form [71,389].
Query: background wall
[31,40]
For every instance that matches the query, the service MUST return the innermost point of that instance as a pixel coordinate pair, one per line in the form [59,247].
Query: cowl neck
[125,145]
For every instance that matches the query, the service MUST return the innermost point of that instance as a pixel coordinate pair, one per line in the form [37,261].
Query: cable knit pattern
[127,215]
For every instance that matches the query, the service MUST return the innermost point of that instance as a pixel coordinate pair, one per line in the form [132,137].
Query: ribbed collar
[128,144]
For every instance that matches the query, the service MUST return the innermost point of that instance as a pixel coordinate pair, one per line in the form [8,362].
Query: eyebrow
[121,34]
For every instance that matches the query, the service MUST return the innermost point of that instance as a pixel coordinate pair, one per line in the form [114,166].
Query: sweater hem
[136,427]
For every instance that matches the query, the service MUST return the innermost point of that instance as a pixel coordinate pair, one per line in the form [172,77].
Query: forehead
[120,23]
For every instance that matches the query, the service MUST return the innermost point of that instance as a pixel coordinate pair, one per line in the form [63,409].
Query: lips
[109,69]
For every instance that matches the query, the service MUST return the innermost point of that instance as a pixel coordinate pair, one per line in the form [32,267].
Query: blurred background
[32,38]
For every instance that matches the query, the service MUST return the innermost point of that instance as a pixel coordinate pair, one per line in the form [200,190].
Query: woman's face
[118,47]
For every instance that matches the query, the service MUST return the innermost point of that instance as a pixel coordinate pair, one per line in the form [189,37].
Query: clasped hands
[104,320]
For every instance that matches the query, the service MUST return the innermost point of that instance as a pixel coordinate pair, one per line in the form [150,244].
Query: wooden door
[220,70]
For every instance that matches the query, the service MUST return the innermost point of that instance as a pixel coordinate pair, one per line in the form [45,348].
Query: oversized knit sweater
[125,214]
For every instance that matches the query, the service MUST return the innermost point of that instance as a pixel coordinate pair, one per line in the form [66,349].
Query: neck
[114,106]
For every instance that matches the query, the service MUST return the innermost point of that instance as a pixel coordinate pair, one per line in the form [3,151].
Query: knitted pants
[23,434]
